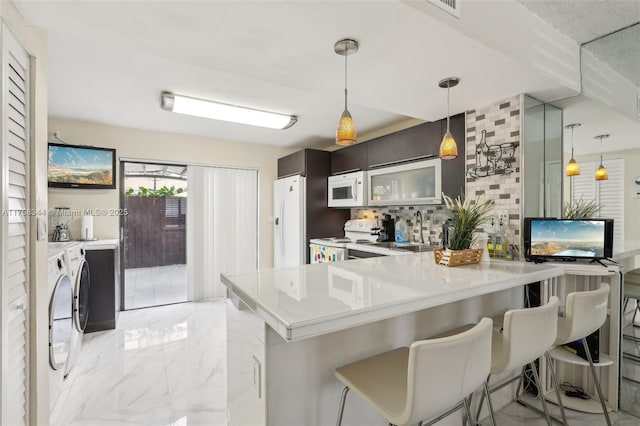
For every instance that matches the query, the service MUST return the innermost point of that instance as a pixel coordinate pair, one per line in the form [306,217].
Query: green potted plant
[465,217]
[581,209]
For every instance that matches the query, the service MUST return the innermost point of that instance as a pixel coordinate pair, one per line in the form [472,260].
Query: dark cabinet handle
[341,172]
[406,160]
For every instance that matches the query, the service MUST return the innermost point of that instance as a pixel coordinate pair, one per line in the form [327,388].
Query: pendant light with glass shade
[346,130]
[448,146]
[573,169]
[601,173]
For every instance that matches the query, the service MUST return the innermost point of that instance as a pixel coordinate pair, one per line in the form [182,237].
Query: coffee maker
[388,230]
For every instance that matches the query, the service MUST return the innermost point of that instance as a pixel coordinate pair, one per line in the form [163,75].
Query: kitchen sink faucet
[419,216]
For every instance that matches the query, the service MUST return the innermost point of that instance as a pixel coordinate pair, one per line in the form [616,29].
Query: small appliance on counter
[60,224]
[387,230]
[61,233]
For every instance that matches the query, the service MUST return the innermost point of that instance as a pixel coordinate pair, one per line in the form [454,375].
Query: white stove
[361,230]
[334,249]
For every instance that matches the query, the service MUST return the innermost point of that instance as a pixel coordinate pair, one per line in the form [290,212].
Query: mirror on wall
[610,105]
[609,130]
[542,136]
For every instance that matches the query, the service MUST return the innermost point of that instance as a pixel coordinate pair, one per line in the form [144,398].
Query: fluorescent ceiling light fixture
[226,112]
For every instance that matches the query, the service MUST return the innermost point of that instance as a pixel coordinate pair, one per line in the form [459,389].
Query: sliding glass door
[154,256]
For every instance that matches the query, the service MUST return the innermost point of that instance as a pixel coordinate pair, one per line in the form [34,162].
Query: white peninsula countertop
[630,248]
[311,300]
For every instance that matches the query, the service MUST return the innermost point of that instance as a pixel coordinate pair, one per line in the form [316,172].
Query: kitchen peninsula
[289,328]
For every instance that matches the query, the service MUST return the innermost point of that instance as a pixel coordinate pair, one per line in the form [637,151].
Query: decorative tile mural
[493,165]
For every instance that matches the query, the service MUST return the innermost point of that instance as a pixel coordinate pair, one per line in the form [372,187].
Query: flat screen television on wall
[568,239]
[76,166]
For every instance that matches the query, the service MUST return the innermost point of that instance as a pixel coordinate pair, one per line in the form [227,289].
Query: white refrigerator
[289,239]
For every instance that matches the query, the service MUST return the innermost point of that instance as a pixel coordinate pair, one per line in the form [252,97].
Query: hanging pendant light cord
[571,142]
[345,81]
[600,137]
[448,86]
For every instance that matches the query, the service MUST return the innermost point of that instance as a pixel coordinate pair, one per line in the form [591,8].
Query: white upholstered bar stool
[527,334]
[409,385]
[585,312]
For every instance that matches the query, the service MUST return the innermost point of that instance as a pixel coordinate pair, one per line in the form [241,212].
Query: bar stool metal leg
[343,398]
[534,370]
[557,388]
[467,410]
[482,401]
[489,403]
[520,383]
[596,381]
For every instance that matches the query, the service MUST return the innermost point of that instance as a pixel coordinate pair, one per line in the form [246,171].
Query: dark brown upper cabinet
[350,159]
[414,143]
[312,163]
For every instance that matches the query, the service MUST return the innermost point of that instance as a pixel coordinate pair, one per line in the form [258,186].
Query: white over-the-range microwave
[348,190]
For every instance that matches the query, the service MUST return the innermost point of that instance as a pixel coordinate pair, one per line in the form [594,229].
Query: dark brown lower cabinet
[104,292]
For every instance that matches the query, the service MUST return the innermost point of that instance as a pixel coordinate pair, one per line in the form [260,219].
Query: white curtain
[222,227]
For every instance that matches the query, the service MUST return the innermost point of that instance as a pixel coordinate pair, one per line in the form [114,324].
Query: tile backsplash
[433,216]
[501,121]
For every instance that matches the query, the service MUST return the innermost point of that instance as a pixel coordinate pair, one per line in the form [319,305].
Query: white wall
[35,43]
[158,146]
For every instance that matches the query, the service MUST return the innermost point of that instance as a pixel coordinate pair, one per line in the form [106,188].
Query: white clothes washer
[60,322]
[78,271]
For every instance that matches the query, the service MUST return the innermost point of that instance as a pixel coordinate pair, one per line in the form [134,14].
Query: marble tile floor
[161,366]
[155,286]
[630,369]
[515,414]
[166,366]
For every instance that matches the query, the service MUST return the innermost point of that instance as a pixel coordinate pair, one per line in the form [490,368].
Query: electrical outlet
[255,373]
[504,215]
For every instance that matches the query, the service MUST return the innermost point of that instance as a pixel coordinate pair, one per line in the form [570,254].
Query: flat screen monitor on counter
[76,166]
[562,239]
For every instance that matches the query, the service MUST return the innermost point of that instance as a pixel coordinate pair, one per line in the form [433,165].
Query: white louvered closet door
[609,194]
[14,230]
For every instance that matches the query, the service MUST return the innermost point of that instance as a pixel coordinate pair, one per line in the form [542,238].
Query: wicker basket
[458,257]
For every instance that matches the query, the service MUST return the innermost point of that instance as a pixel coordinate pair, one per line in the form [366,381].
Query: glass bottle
[482,155]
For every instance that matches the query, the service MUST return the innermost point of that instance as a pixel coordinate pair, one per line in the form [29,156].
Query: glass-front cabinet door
[413,183]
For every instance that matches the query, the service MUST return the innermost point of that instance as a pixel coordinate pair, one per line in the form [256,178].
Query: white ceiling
[621,51]
[109,62]
[585,21]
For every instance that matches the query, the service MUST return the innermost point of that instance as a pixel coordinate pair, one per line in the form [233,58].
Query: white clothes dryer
[78,271]
[60,322]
